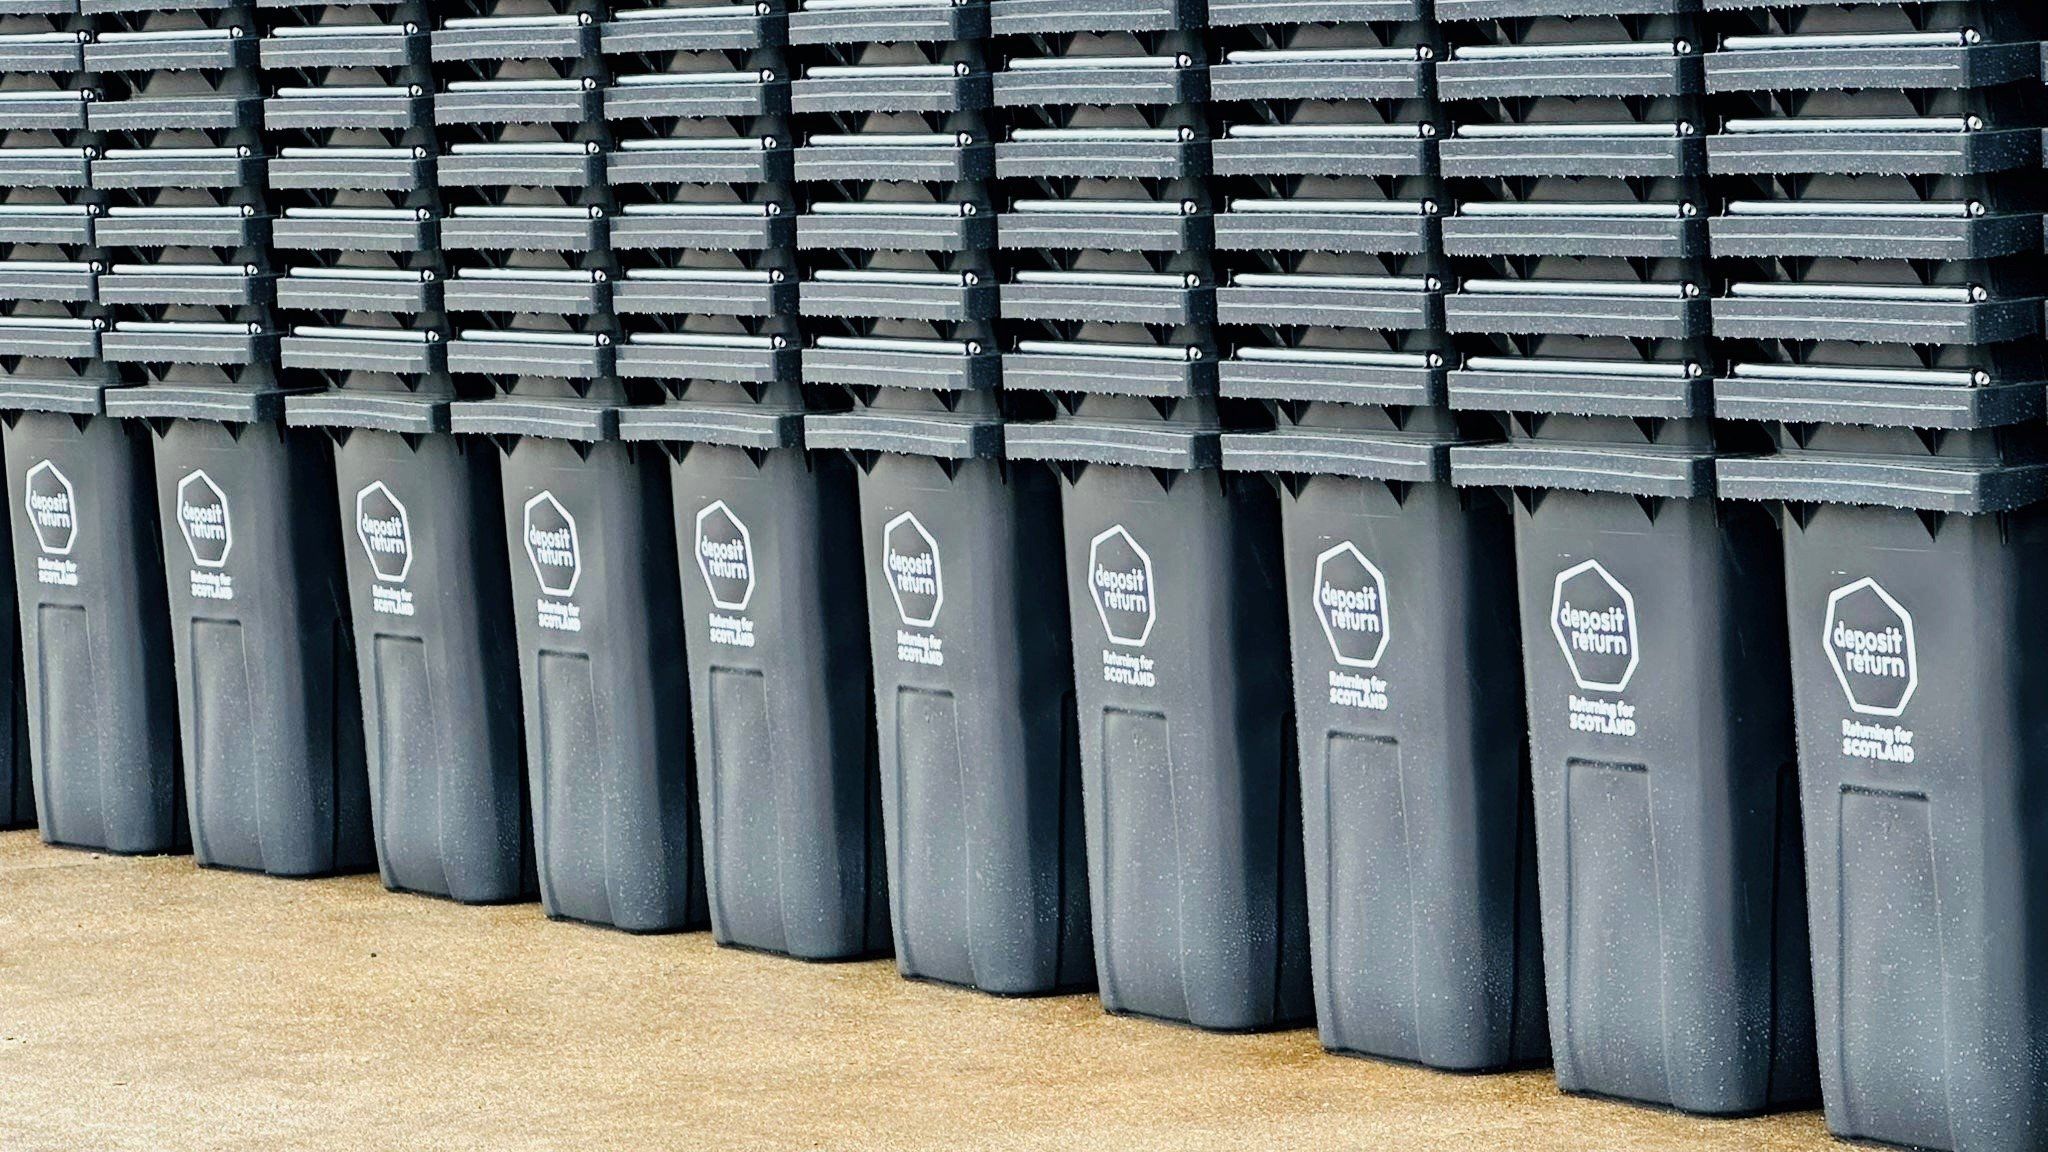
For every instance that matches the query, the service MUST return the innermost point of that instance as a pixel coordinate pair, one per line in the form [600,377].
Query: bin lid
[1923,484]
[1820,394]
[217,403]
[547,417]
[1179,447]
[757,426]
[1628,469]
[73,397]
[1414,457]
[382,411]
[943,436]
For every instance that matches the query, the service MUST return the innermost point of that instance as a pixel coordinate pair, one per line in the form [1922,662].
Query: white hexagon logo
[203,518]
[1351,604]
[1869,641]
[1120,582]
[910,563]
[385,532]
[52,508]
[725,554]
[1594,619]
[552,546]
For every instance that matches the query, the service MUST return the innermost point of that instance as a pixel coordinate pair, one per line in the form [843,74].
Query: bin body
[438,663]
[101,693]
[1920,763]
[602,680]
[1666,806]
[1191,795]
[267,700]
[980,769]
[775,617]
[1420,841]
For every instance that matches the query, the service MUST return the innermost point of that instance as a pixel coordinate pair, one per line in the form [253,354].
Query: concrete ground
[145,1004]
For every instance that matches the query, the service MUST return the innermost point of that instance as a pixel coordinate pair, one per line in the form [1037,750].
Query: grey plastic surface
[101,695]
[980,764]
[1420,840]
[695,28]
[346,354]
[399,172]
[1319,231]
[923,21]
[1814,68]
[269,718]
[1988,321]
[1590,73]
[780,692]
[437,663]
[640,361]
[1191,794]
[1113,231]
[1875,152]
[1110,375]
[894,369]
[1101,159]
[758,427]
[1576,155]
[1013,17]
[938,436]
[1674,924]
[607,722]
[1877,236]
[1923,869]
[1338,383]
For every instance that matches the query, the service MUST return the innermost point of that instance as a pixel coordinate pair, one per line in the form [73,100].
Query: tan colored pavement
[145,1004]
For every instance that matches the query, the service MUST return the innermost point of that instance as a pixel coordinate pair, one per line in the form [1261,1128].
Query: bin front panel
[593,571]
[774,617]
[100,688]
[1921,725]
[1415,794]
[436,657]
[981,788]
[266,680]
[1192,801]
[1661,745]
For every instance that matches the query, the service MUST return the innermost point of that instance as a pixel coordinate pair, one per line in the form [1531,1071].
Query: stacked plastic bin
[771,612]
[102,780]
[1191,796]
[980,781]
[1652,625]
[1399,587]
[519,115]
[349,123]
[266,679]
[1879,239]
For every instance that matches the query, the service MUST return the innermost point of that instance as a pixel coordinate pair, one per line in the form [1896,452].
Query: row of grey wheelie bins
[735,357]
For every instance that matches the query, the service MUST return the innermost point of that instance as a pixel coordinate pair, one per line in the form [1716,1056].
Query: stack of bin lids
[188,279]
[1880,237]
[520,116]
[50,322]
[1577,142]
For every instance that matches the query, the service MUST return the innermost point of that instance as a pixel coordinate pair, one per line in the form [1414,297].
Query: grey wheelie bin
[267,700]
[981,770]
[89,565]
[774,620]
[1881,307]
[1660,730]
[1913,581]
[426,565]
[594,600]
[351,123]
[1189,786]
[123,798]
[1420,836]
